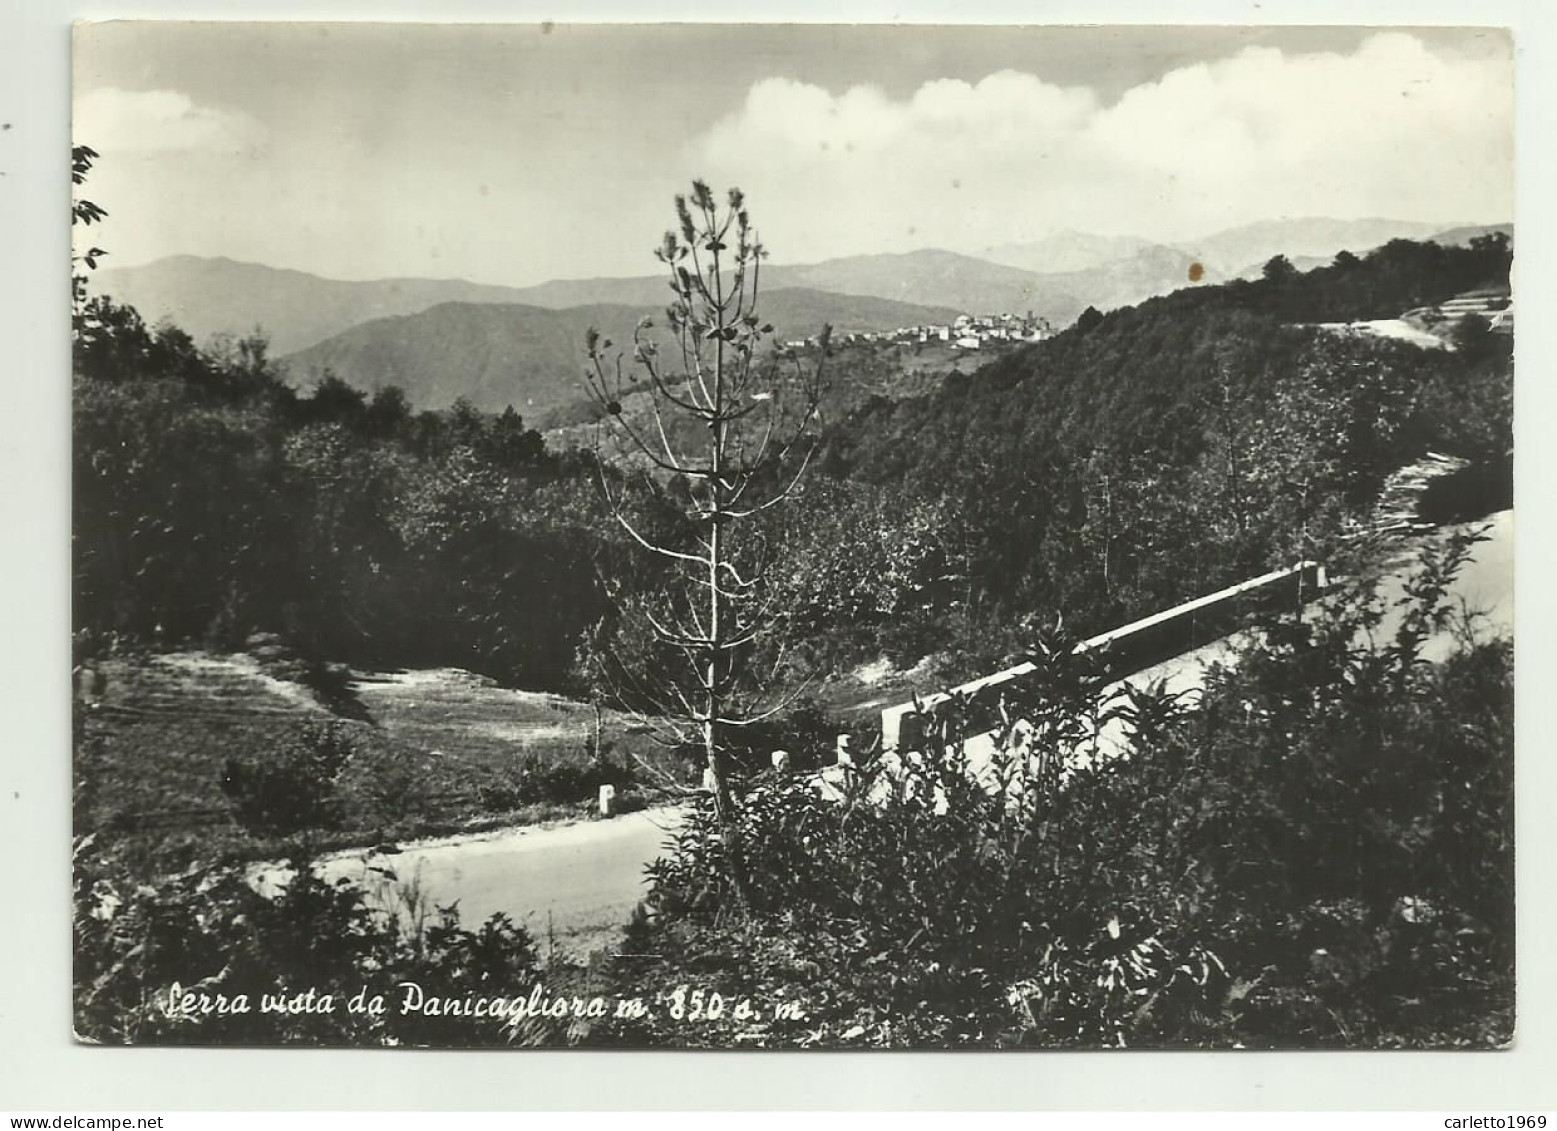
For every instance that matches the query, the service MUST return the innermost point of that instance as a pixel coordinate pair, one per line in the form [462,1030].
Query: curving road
[572,885]
[1484,586]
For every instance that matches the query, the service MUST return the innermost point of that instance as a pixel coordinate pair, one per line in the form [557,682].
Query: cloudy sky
[516,154]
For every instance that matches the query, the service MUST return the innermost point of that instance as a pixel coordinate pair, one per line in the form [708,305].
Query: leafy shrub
[211,933]
[534,780]
[293,790]
[1316,852]
[392,781]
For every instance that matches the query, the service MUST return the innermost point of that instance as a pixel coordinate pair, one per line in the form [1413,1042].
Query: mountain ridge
[1067,250]
[295,309]
[1231,250]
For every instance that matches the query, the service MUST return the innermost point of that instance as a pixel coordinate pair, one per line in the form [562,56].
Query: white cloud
[798,117]
[1391,129]
[160,121]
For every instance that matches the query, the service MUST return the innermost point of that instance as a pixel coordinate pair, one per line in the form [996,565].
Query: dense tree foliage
[1161,451]
[212,499]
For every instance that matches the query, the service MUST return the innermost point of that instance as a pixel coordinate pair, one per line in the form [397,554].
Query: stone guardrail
[1132,647]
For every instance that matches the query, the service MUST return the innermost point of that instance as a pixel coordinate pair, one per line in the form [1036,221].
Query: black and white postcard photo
[826,537]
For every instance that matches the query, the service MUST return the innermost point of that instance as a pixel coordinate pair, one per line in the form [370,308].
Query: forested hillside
[495,355]
[1163,450]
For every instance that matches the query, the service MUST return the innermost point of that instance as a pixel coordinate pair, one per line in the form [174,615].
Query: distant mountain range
[1361,237]
[442,338]
[936,278]
[295,310]
[1234,249]
[1461,237]
[929,277]
[1065,251]
[205,297]
[1151,270]
[1142,268]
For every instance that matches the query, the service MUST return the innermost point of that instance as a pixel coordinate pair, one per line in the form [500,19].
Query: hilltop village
[965,332]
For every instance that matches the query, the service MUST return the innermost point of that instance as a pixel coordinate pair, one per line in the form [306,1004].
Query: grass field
[439,752]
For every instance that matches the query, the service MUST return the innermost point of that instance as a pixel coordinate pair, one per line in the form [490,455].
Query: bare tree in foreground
[724,416]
